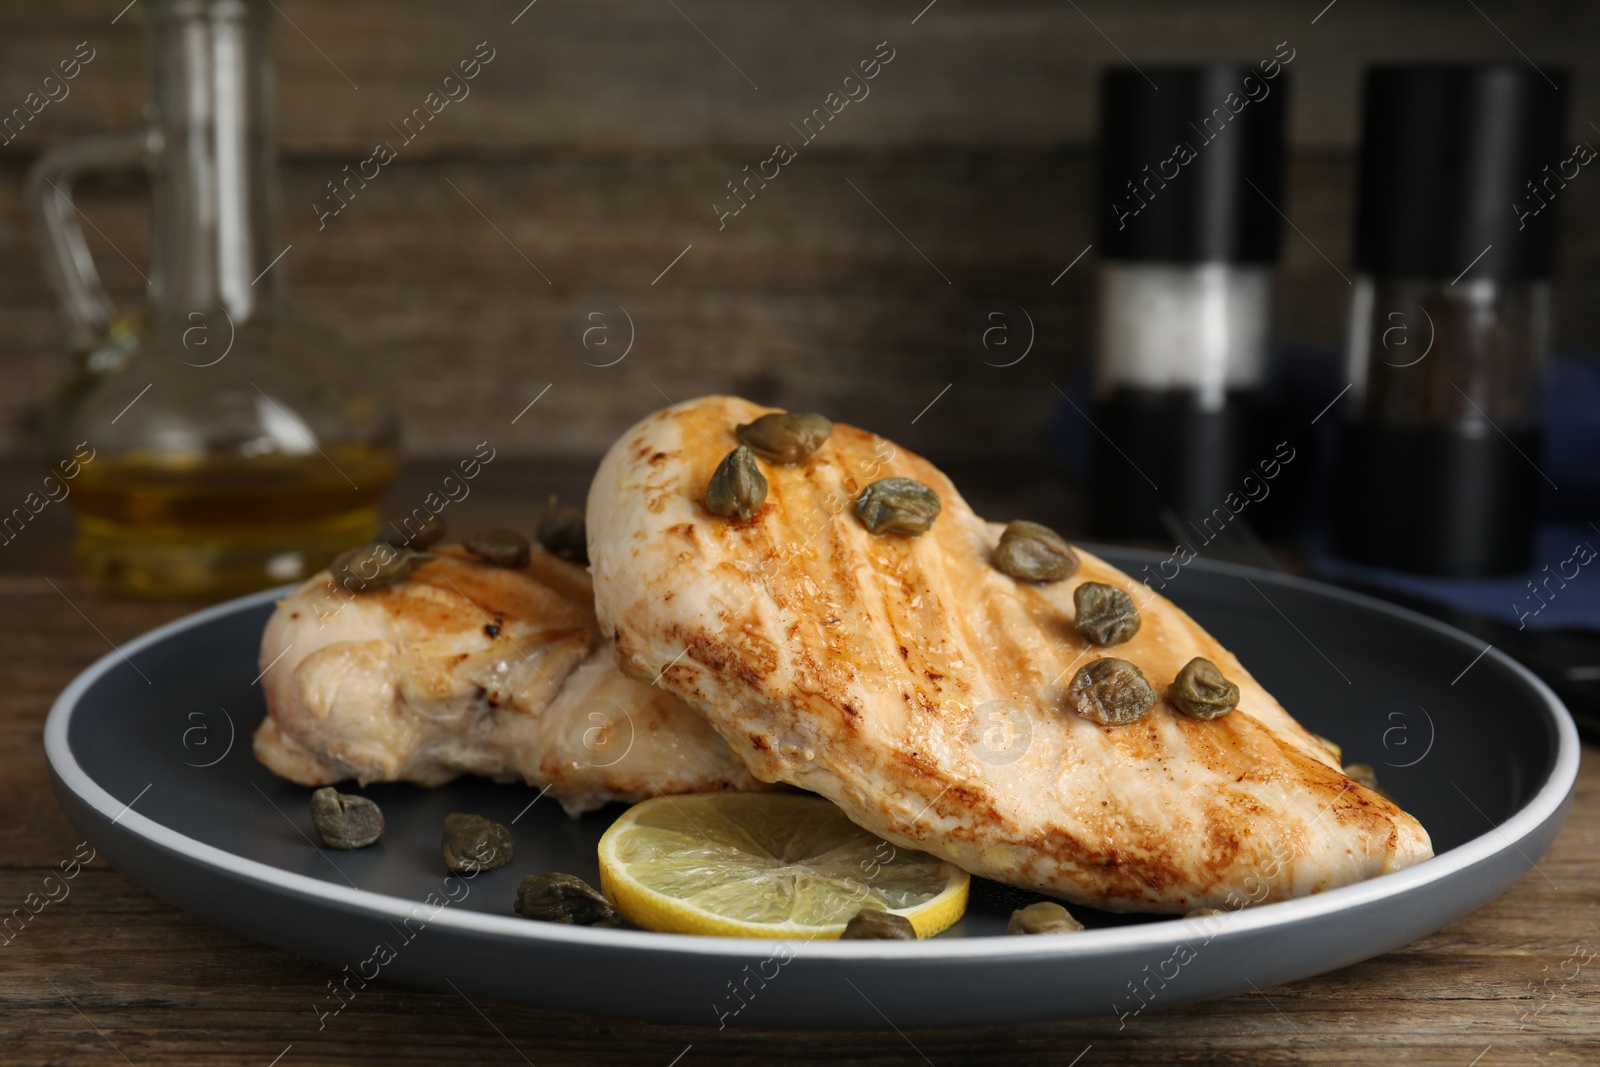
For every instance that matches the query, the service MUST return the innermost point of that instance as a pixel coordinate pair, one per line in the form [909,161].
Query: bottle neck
[215,184]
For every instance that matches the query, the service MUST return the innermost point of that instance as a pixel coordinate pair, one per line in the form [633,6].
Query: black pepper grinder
[1191,163]
[1450,317]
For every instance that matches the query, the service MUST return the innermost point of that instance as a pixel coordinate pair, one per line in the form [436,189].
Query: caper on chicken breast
[464,667]
[866,646]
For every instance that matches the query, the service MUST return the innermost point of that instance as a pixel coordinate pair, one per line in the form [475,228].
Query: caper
[500,546]
[561,532]
[898,506]
[564,898]
[1034,553]
[375,566]
[738,488]
[344,820]
[1331,746]
[408,533]
[472,843]
[784,436]
[1201,913]
[1201,692]
[871,924]
[1045,917]
[1105,614]
[1111,692]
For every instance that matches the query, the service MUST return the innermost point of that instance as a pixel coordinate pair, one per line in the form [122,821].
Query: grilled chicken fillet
[467,668]
[924,692]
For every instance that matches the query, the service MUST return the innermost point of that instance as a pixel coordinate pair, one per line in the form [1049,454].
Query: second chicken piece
[467,668]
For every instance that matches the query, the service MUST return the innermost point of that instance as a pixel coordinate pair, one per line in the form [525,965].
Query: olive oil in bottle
[186,525]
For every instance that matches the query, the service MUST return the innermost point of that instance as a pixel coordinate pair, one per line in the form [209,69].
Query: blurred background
[595,144]
[573,239]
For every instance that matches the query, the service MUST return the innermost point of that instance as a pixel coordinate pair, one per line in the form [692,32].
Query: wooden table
[112,975]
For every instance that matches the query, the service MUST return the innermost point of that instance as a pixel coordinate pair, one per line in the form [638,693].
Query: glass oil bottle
[233,448]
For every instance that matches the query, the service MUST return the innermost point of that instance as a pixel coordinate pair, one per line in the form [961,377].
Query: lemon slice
[766,865]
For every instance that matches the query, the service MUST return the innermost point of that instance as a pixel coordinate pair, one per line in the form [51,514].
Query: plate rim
[1547,802]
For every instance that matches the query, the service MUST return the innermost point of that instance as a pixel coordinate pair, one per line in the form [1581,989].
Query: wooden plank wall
[593,146]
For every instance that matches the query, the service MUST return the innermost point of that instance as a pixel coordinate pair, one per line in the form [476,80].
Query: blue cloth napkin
[1561,591]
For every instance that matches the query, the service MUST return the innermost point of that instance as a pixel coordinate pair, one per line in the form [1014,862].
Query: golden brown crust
[868,667]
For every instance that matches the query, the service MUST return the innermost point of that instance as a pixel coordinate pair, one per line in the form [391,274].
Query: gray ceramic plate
[150,749]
